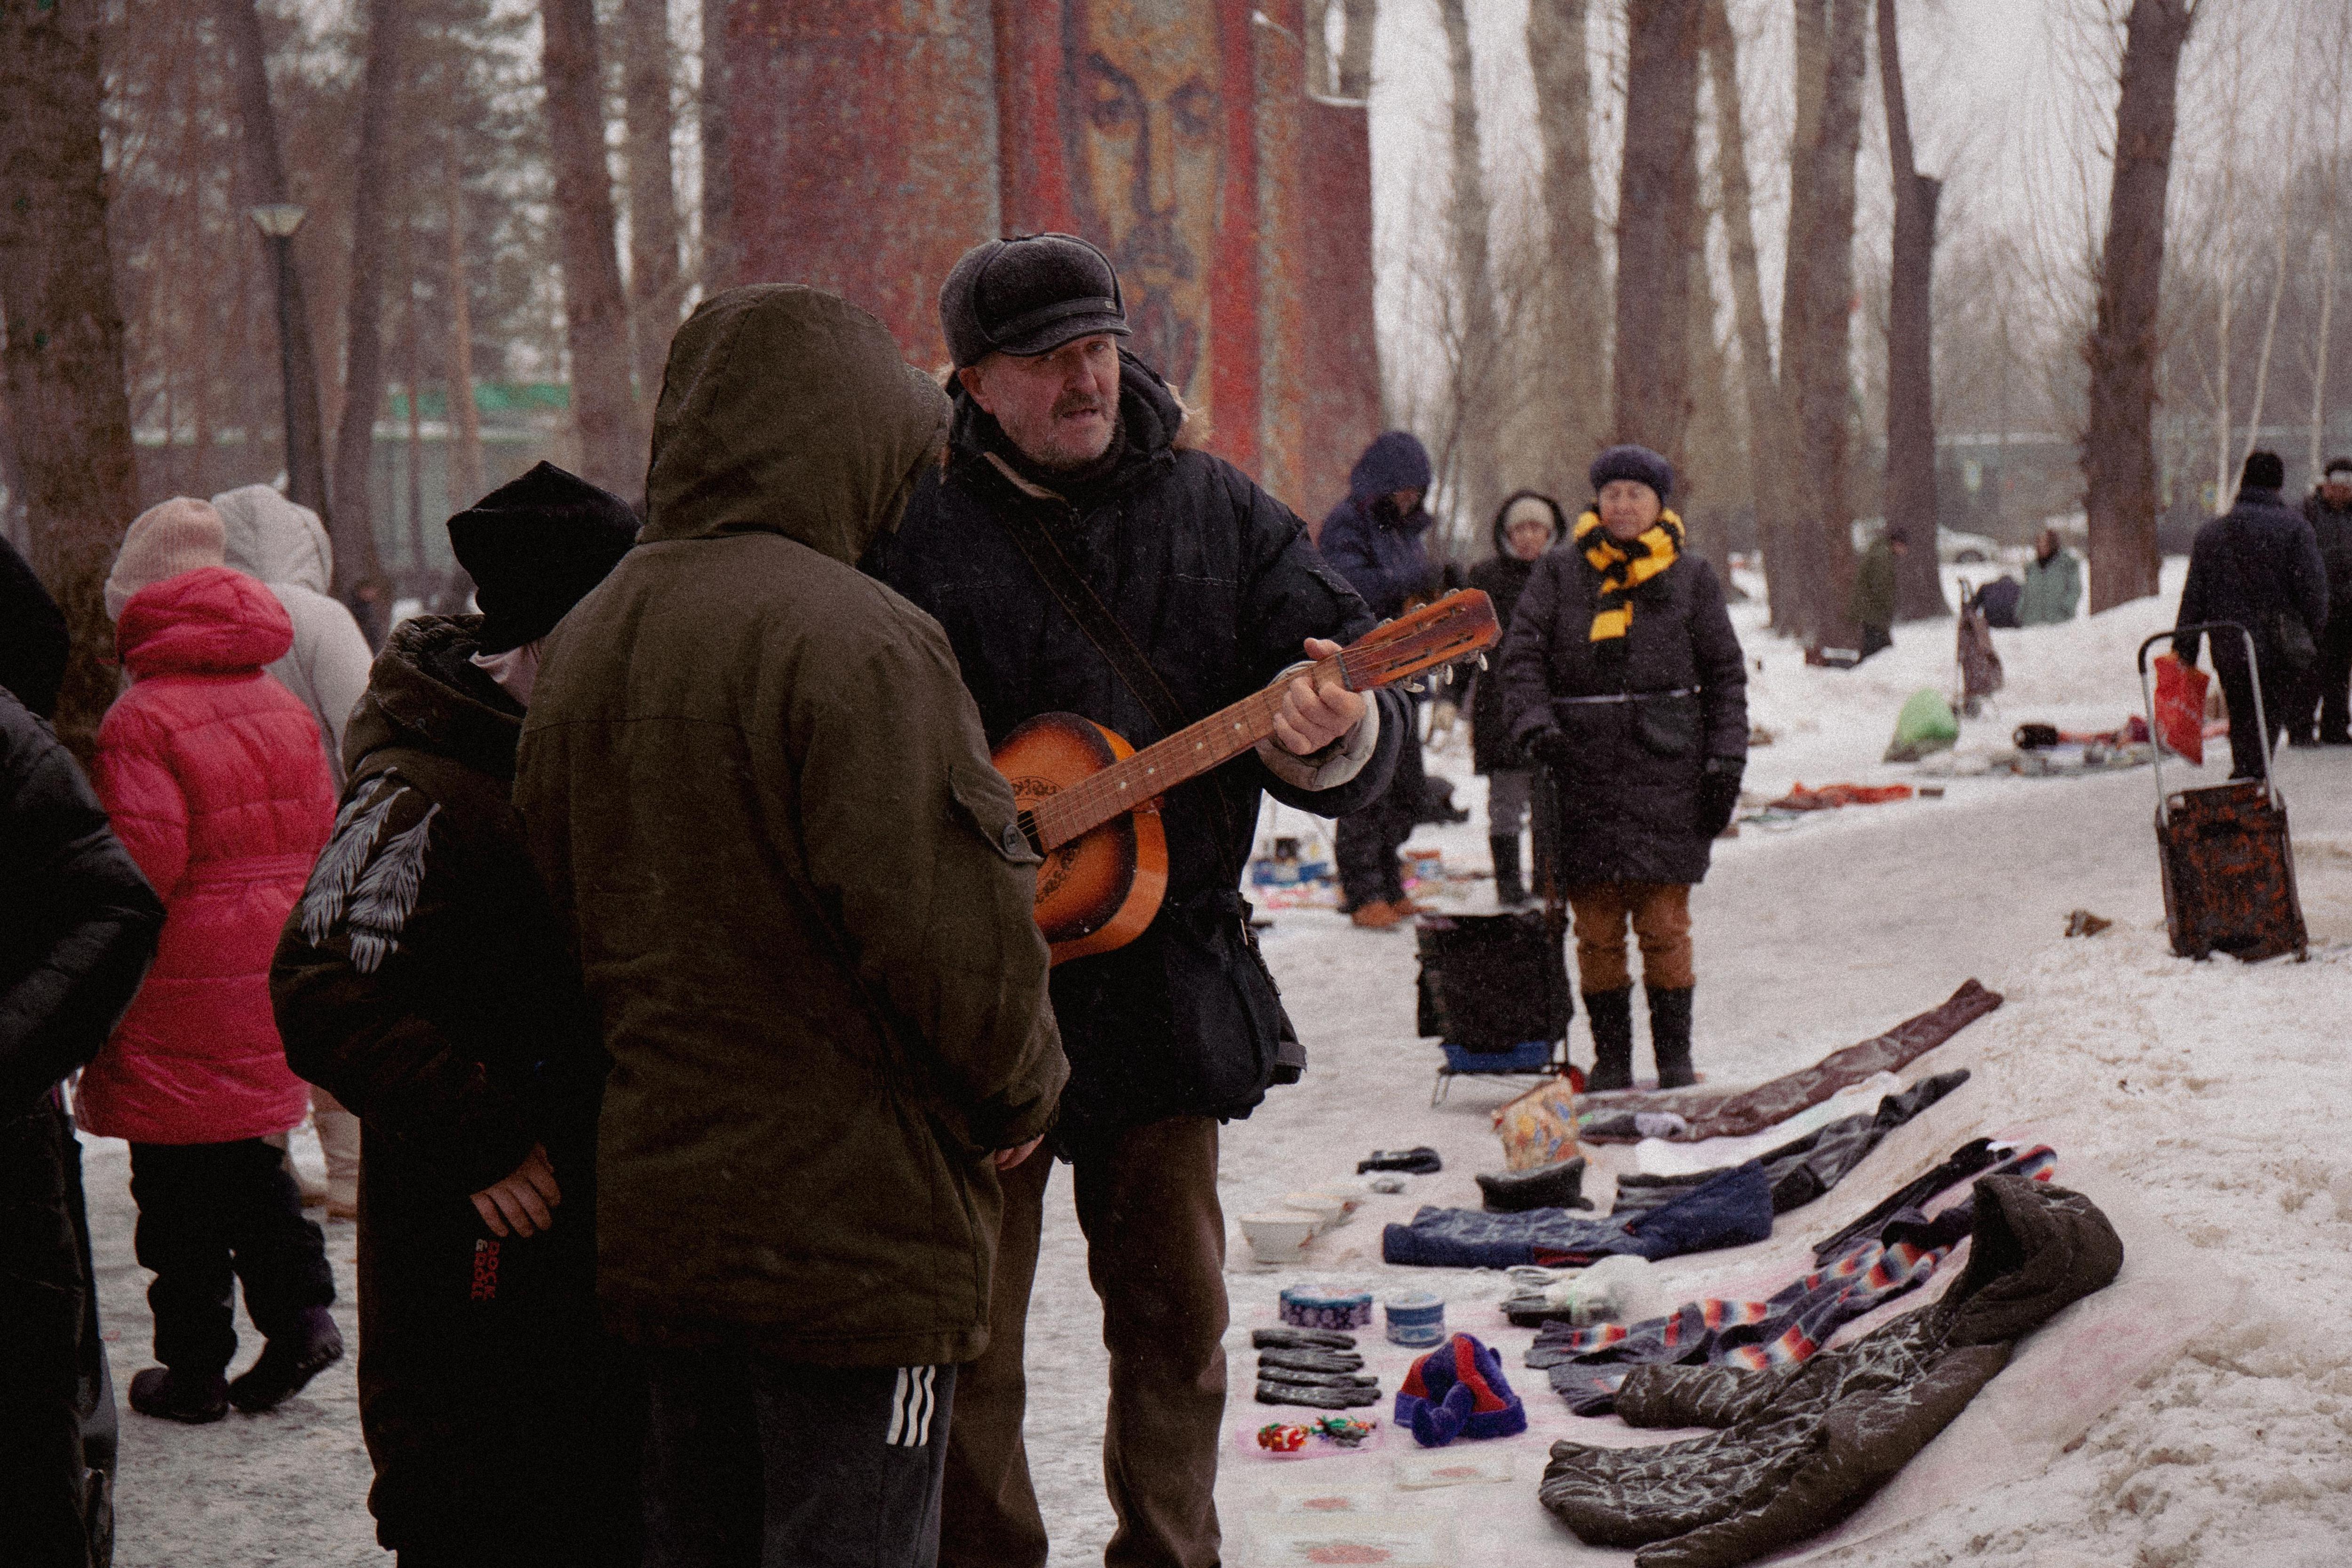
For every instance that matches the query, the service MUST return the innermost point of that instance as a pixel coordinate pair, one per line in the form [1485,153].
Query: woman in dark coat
[1525,525]
[1622,674]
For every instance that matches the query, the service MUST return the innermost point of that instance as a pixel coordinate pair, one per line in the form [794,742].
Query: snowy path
[2221,1092]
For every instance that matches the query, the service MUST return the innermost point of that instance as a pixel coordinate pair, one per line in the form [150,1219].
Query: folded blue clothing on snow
[1731,1209]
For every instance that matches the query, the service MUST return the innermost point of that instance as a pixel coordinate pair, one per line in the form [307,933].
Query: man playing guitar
[1084,558]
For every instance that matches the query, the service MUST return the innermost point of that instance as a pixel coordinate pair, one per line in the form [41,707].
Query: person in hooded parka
[78,928]
[285,545]
[764,807]
[424,980]
[1526,524]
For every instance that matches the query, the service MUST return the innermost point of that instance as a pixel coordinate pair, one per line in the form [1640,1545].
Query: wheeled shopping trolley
[2228,865]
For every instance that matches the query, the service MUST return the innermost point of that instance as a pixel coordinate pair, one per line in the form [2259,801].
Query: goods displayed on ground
[1819,1386]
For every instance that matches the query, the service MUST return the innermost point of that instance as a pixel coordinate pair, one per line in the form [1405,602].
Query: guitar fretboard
[1165,764]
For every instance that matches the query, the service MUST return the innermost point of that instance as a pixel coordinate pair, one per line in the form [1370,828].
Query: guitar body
[1101,890]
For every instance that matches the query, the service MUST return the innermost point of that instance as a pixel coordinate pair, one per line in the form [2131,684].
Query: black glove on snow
[1719,795]
[1551,748]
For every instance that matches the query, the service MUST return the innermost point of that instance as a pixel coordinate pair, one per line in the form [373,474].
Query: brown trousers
[1146,1200]
[1660,913]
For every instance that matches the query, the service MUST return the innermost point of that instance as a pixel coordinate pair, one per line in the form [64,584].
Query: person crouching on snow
[425,982]
[1623,676]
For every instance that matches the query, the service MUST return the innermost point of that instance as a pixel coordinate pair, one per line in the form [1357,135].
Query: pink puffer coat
[216,781]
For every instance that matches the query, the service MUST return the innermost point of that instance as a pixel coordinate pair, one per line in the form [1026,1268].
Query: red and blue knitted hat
[1457,1391]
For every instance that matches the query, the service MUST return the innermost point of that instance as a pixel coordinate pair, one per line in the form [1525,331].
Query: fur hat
[167,539]
[1637,463]
[1457,1391]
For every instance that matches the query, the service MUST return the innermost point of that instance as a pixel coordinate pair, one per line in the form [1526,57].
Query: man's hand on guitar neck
[1313,716]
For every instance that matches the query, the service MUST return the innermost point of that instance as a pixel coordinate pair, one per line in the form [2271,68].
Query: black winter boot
[1611,1012]
[194,1398]
[1670,1035]
[287,1361]
[1508,889]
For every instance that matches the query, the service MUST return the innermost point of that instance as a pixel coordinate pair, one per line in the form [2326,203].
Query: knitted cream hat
[169,538]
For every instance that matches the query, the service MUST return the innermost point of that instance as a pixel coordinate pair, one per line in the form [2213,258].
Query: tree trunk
[357,560]
[2326,315]
[412,372]
[595,313]
[1817,294]
[265,172]
[1576,288]
[2119,472]
[653,291]
[1478,472]
[68,413]
[1910,352]
[717,177]
[1658,197]
[1768,443]
[466,450]
[1356,49]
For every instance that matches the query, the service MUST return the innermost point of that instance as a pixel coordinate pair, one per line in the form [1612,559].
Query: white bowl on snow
[1278,1235]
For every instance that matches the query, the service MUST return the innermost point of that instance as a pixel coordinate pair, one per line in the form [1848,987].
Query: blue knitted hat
[1457,1391]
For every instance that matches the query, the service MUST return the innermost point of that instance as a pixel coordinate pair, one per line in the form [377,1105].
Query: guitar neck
[1160,767]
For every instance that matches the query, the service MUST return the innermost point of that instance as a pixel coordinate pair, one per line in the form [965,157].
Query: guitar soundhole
[1027,791]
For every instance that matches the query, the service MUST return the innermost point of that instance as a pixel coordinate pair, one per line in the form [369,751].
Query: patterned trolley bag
[2229,867]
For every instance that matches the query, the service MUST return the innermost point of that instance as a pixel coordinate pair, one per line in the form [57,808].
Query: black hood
[1558,520]
[423,692]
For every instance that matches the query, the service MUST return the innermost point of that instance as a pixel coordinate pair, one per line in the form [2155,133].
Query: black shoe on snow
[289,1362]
[1611,1014]
[1509,891]
[194,1398]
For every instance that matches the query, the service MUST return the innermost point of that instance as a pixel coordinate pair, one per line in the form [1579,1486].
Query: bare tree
[654,283]
[356,557]
[1657,231]
[1768,442]
[718,178]
[595,313]
[1478,476]
[2119,470]
[466,451]
[2335,82]
[68,415]
[1816,361]
[1575,288]
[1362,19]
[265,169]
[1910,346]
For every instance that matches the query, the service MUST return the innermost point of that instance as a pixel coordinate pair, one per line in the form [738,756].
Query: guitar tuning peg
[1447,677]
[1481,661]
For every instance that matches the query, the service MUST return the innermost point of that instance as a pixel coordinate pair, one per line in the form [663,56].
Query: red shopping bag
[2180,708]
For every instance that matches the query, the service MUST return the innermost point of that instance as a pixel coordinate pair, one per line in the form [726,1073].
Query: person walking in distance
[803,905]
[1199,589]
[2053,584]
[2258,566]
[2328,510]
[77,928]
[1871,605]
[426,981]
[1622,674]
[215,780]
[1374,539]
[286,546]
[1525,525]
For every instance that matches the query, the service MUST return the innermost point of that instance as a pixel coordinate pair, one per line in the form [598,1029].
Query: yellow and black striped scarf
[1625,567]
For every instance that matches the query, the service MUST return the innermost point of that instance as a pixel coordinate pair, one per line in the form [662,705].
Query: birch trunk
[653,291]
[1478,474]
[357,561]
[1576,311]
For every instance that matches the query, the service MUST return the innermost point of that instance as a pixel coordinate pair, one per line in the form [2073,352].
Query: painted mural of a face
[1144,124]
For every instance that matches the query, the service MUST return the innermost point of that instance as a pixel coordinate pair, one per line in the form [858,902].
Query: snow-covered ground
[2215,1093]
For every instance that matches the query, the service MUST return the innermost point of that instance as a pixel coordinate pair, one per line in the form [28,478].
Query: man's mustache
[1078,403]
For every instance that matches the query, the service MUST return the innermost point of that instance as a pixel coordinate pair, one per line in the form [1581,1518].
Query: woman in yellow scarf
[1622,677]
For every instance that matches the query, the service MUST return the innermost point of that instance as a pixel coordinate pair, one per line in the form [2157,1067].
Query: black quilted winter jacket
[1799,1448]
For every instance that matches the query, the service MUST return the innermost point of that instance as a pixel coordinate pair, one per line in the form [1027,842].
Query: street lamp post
[306,479]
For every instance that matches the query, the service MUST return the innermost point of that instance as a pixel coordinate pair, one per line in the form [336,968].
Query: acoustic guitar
[1090,802]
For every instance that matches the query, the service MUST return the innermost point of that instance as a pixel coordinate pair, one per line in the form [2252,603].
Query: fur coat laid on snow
[1798,1449]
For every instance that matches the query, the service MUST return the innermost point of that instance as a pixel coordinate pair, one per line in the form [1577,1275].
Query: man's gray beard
[1055,464]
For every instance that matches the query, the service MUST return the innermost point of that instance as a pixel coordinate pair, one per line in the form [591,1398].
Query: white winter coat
[286,546]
